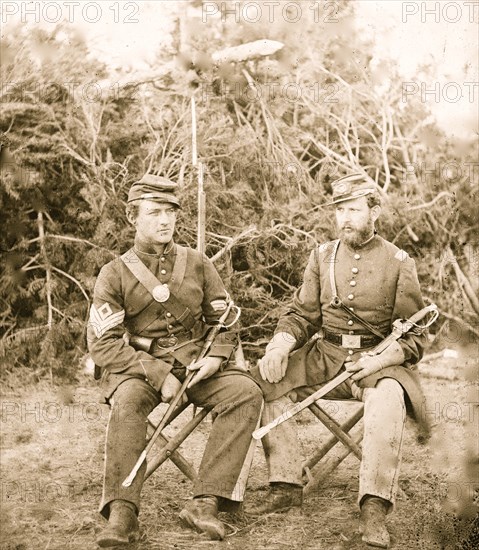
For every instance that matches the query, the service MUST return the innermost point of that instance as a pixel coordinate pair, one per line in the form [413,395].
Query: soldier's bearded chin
[354,238]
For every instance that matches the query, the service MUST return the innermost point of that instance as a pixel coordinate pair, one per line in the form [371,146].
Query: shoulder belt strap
[179,311]
[332,261]
[338,303]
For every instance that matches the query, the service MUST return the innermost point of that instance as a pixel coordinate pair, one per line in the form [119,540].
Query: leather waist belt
[152,345]
[351,341]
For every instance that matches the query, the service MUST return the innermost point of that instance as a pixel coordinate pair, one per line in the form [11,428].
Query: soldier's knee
[250,391]
[255,394]
[258,395]
[389,392]
[132,400]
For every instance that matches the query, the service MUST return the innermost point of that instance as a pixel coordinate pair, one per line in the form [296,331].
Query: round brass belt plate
[167,342]
[161,293]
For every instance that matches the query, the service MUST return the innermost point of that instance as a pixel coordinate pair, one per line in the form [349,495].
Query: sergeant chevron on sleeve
[151,312]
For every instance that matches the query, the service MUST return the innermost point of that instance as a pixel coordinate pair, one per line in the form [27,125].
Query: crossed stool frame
[315,470]
[169,448]
[339,432]
[319,466]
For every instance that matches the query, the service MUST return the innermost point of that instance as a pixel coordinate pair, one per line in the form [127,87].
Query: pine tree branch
[231,243]
[77,240]
[386,135]
[463,281]
[68,276]
[461,322]
[431,203]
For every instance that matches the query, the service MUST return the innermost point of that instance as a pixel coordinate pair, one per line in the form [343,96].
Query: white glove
[273,365]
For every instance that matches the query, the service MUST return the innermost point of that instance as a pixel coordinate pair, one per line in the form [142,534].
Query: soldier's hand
[364,366]
[205,368]
[273,365]
[170,387]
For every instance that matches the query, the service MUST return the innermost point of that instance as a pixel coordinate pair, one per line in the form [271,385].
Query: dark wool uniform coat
[125,312]
[119,298]
[379,282]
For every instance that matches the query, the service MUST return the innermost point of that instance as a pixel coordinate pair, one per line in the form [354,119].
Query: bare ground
[51,472]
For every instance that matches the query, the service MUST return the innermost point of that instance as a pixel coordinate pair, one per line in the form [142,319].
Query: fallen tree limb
[463,281]
[231,243]
[430,203]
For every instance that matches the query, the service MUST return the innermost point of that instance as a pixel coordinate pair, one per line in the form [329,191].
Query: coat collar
[154,250]
[371,243]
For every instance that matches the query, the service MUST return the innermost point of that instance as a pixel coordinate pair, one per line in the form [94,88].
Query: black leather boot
[122,525]
[280,498]
[201,513]
[372,521]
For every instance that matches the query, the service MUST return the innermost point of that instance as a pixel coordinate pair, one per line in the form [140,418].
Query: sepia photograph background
[259,105]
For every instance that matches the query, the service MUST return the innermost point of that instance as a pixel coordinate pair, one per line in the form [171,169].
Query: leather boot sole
[378,540]
[214,529]
[373,541]
[109,539]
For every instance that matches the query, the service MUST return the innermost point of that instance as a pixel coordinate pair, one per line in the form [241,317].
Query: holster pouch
[140,343]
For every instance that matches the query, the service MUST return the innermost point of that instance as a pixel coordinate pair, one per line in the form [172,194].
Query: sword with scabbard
[171,407]
[400,328]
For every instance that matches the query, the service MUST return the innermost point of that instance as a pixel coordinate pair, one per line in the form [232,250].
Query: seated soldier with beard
[353,289]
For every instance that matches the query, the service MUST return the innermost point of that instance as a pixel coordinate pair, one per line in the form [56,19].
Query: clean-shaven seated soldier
[173,319]
[353,289]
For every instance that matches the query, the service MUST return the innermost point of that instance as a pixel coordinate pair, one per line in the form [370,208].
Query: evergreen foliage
[273,133]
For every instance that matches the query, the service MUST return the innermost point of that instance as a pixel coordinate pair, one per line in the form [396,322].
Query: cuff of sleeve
[284,340]
[293,334]
[221,350]
[223,345]
[408,355]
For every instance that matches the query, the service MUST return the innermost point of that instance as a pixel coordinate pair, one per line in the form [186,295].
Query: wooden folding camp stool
[169,447]
[320,466]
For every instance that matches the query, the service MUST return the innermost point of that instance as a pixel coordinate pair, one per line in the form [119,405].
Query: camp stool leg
[167,451]
[339,433]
